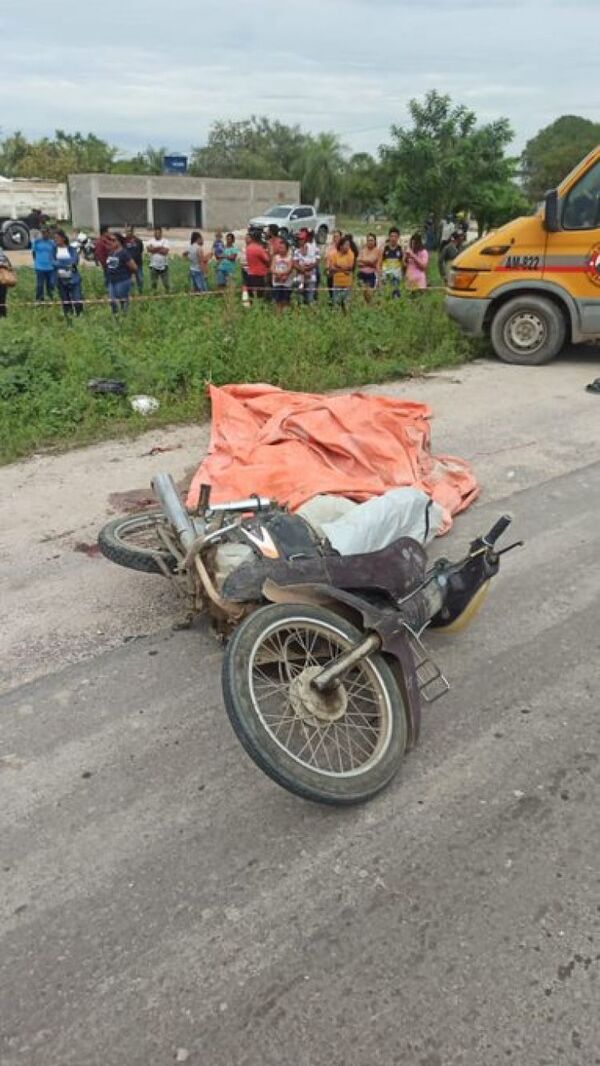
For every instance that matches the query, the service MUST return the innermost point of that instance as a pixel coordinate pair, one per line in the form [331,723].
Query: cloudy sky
[161,71]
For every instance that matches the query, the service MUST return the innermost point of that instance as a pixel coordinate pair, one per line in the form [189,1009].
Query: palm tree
[154,159]
[321,168]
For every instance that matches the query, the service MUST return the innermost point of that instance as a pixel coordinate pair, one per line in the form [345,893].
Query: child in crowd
[282,269]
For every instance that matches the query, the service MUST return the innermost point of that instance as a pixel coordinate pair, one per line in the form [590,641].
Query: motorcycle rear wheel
[133,541]
[340,750]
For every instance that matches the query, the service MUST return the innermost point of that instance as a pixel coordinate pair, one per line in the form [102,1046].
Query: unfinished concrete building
[177,201]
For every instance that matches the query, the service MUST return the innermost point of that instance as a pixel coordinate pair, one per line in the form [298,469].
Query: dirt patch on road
[62,600]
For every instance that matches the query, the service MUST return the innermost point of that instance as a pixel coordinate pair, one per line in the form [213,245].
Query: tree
[495,202]
[425,166]
[361,184]
[437,165]
[150,161]
[12,152]
[320,168]
[55,158]
[250,148]
[90,153]
[554,151]
[492,195]
[260,148]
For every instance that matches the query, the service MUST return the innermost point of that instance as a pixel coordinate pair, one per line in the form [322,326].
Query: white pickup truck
[291,218]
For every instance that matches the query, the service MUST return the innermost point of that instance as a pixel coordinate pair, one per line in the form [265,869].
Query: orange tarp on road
[292,446]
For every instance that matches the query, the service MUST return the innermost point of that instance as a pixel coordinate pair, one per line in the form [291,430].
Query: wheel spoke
[267,681]
[140,533]
[322,744]
[363,751]
[284,721]
[291,712]
[364,730]
[307,743]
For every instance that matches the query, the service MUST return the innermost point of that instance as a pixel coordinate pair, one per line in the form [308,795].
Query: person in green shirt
[227,262]
[450,252]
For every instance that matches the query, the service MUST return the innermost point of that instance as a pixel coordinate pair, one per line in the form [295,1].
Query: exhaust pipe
[166,493]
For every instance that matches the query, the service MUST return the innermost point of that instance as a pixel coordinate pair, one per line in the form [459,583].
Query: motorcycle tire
[262,663]
[135,554]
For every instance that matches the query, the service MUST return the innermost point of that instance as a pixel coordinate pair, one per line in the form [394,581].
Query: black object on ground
[107,385]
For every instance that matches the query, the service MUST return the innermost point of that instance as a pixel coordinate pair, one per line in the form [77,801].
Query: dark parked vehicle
[15,233]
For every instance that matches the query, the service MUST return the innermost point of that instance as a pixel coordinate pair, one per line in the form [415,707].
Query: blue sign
[175,164]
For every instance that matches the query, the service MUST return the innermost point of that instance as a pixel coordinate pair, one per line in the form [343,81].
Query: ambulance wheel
[528,330]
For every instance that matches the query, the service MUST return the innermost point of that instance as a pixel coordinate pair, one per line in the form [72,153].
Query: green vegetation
[554,151]
[171,348]
[443,161]
[55,157]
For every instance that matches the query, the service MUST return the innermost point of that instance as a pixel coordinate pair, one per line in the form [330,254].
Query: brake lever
[509,548]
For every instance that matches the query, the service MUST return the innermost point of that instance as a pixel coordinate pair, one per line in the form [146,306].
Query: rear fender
[346,604]
[395,645]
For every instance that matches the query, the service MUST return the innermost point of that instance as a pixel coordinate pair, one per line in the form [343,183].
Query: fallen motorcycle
[325,672]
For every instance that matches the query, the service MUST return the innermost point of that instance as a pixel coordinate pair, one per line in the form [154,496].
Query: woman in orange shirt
[333,247]
[343,272]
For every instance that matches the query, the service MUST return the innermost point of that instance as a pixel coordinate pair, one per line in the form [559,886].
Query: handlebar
[497,530]
[251,503]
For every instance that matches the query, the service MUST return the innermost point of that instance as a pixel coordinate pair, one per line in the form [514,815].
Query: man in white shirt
[448,228]
[305,260]
[158,250]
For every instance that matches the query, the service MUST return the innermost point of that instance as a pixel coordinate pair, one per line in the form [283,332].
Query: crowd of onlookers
[272,266]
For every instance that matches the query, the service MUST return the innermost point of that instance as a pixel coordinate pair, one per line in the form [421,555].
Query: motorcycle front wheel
[341,748]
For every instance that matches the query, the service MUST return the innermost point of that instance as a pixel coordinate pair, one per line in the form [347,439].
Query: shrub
[171,348]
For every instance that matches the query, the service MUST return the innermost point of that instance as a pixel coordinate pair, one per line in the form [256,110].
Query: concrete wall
[226,202]
[21,195]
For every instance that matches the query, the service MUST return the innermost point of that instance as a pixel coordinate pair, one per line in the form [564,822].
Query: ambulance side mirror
[551,214]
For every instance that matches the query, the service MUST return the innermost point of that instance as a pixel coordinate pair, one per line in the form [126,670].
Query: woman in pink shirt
[416,259]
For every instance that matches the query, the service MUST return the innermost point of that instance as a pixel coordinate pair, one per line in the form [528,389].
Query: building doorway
[114,211]
[177,214]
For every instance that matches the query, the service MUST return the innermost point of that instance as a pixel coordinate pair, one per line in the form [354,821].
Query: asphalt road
[163,901]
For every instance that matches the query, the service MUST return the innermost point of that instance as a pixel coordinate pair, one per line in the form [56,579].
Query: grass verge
[171,349]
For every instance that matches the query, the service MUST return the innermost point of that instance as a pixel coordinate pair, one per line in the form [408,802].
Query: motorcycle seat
[393,571]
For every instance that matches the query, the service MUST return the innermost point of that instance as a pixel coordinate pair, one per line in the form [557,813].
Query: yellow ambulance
[533,285]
